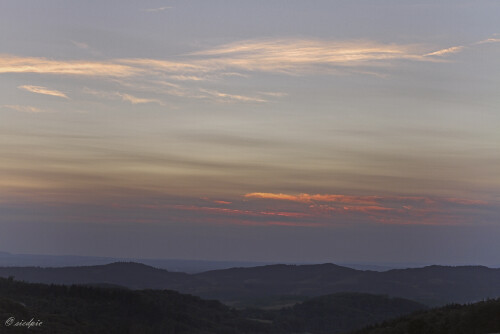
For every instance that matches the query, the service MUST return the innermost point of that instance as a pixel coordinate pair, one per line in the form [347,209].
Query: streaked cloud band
[43,90]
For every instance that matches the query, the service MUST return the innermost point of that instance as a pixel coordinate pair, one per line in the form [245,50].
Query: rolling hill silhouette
[433,285]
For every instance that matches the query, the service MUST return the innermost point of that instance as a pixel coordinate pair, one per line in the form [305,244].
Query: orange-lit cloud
[307,198]
[216,201]
[222,202]
[43,90]
[14,64]
[365,200]
[381,209]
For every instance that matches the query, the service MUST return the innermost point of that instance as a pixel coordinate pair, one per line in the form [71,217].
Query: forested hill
[433,285]
[84,309]
[478,318]
[336,313]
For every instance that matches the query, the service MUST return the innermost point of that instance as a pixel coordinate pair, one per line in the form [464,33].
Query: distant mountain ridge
[432,285]
[178,265]
[190,266]
[127,274]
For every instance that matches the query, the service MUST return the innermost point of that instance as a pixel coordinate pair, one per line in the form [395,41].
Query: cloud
[43,90]
[137,100]
[274,94]
[454,49]
[381,209]
[28,109]
[291,56]
[306,198]
[489,40]
[321,210]
[222,202]
[123,96]
[228,211]
[155,10]
[224,97]
[365,200]
[187,78]
[163,66]
[288,56]
[295,56]
[282,55]
[14,64]
[463,201]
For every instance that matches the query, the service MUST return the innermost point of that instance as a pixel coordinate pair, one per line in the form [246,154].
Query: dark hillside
[340,312]
[83,309]
[86,309]
[478,318]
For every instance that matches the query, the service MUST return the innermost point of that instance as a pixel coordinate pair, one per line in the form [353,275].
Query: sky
[284,130]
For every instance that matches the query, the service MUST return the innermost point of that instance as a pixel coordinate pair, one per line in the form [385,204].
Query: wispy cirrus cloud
[285,56]
[225,97]
[460,48]
[489,40]
[160,66]
[22,108]
[137,100]
[296,56]
[122,96]
[43,90]
[443,52]
[15,64]
[292,56]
